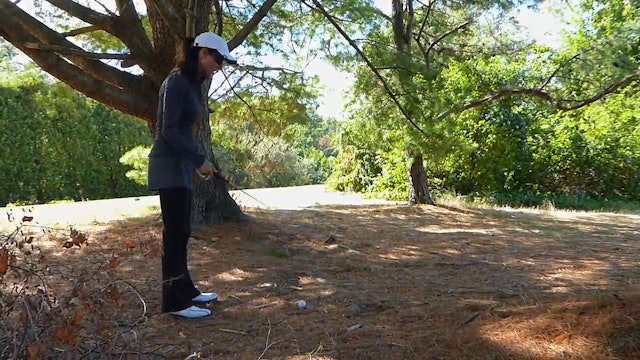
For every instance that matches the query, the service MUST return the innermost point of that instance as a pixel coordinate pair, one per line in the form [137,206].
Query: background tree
[436,60]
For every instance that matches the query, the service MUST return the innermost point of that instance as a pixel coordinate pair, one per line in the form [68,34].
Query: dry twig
[233,331]
[267,343]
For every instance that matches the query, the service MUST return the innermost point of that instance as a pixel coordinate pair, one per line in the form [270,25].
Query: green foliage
[512,148]
[59,145]
[595,152]
[261,141]
[273,163]
[494,153]
[7,52]
[369,161]
[137,158]
[271,141]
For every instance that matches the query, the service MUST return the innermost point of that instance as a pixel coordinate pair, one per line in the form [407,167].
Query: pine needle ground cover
[380,282]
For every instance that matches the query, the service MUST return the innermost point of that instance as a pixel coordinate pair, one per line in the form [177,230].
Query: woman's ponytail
[187,62]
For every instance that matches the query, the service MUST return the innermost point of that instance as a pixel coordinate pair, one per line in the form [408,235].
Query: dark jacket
[174,153]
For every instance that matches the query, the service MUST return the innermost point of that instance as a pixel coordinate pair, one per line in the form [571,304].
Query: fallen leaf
[24,317]
[27,218]
[113,263]
[129,244]
[66,335]
[77,319]
[114,294]
[4,261]
[36,351]
[155,250]
[78,237]
[101,327]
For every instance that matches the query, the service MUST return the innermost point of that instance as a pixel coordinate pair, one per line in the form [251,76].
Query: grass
[280,253]
[539,201]
[424,282]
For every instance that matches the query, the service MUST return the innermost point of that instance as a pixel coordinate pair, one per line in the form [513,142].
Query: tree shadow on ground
[423,283]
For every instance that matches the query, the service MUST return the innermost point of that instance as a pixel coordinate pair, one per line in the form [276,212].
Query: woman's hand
[207,170]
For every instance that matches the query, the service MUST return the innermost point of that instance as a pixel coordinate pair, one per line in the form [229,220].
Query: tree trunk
[418,189]
[402,24]
[211,200]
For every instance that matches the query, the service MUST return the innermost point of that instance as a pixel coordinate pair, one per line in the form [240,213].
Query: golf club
[233,186]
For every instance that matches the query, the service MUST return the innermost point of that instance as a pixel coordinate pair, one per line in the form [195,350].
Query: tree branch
[611,88]
[270,81]
[495,96]
[363,56]
[125,100]
[251,24]
[169,14]
[418,37]
[61,50]
[410,21]
[266,68]
[426,18]
[397,16]
[560,104]
[424,52]
[46,35]
[251,110]
[80,31]
[381,14]
[555,72]
[83,13]
[442,37]
[106,9]
[129,31]
[134,36]
[219,16]
[240,78]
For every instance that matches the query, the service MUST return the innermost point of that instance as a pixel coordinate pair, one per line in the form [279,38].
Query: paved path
[286,198]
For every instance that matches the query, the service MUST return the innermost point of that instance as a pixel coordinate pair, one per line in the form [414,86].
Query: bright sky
[543,26]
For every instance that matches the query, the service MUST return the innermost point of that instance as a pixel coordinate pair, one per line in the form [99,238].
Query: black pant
[177,288]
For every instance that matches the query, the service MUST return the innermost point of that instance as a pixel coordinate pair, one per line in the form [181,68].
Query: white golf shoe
[192,312]
[206,297]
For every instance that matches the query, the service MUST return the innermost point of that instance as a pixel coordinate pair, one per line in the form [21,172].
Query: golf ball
[302,304]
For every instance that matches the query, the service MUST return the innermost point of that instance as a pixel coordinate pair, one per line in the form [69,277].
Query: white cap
[216,42]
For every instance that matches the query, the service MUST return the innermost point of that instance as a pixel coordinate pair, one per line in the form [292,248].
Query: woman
[172,160]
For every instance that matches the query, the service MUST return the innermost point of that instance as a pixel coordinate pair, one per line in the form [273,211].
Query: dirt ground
[384,282]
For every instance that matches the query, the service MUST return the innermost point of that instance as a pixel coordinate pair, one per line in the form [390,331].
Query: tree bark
[211,200]
[418,189]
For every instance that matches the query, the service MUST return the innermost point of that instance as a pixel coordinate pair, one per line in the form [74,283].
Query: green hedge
[60,145]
